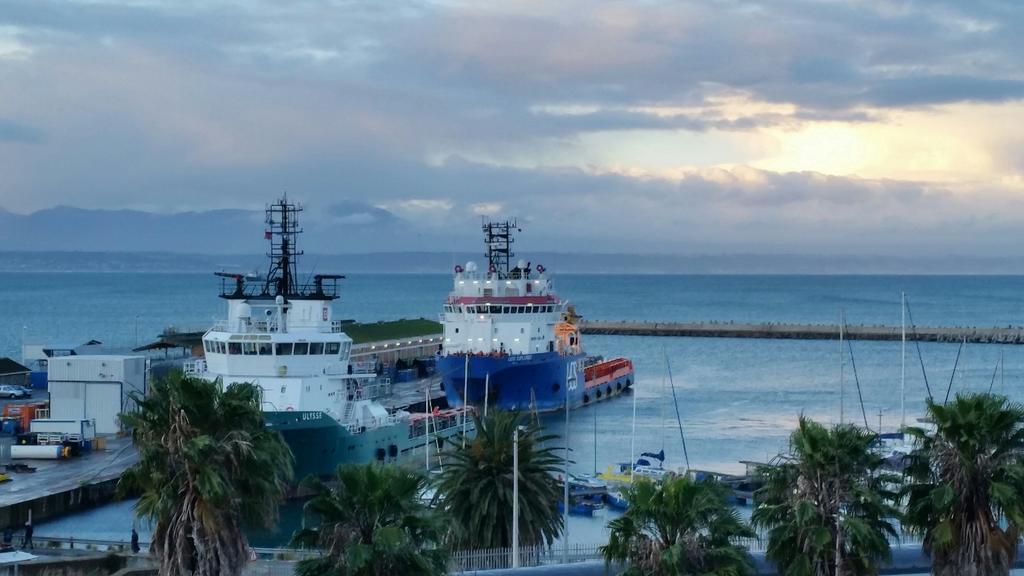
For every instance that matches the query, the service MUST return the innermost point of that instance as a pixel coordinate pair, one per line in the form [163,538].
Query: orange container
[23,413]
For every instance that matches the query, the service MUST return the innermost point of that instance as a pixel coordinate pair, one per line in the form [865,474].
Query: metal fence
[497,558]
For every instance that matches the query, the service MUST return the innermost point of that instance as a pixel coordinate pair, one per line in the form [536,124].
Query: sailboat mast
[842,391]
[565,485]
[426,424]
[679,420]
[594,409]
[903,360]
[465,399]
[632,436]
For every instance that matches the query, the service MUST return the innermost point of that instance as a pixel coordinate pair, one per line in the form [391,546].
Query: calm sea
[737,399]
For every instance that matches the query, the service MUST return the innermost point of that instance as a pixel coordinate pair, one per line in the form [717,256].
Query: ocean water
[737,399]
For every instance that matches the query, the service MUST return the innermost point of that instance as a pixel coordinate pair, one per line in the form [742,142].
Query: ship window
[504,309]
[332,347]
[234,347]
[456,330]
[222,347]
[522,330]
[301,348]
[522,309]
[284,349]
[266,349]
[316,347]
[249,348]
[282,389]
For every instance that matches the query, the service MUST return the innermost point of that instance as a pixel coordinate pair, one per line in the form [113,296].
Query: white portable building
[95,388]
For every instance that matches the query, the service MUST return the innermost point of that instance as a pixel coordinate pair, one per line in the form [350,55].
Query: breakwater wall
[993,335]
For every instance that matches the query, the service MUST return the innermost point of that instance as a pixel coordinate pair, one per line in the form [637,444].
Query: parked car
[27,390]
[9,391]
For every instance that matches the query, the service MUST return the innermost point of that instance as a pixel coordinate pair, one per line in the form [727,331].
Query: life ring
[492,268]
[289,409]
[459,269]
[540,268]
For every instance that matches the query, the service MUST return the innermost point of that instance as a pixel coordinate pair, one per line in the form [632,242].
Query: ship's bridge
[275,337]
[502,313]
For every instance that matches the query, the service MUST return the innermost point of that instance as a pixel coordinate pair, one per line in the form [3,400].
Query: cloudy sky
[883,127]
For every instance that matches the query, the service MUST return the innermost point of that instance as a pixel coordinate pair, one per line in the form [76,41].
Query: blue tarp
[38,380]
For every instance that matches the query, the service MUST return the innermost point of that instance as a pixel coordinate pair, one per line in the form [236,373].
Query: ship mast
[499,240]
[282,232]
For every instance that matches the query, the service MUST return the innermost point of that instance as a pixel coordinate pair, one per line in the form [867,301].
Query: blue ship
[509,340]
[514,382]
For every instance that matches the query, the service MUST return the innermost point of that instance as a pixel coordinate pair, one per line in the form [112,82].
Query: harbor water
[737,399]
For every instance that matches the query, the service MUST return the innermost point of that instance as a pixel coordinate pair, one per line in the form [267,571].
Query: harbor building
[95,388]
[13,373]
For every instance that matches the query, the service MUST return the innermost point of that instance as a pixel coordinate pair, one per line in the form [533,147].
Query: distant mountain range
[558,263]
[336,238]
[230,231]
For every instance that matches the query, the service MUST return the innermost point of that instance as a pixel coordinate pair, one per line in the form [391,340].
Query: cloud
[664,125]
[354,212]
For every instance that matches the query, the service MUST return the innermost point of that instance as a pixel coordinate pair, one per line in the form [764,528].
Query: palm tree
[371,522]
[965,485]
[475,487]
[829,497]
[207,467]
[681,526]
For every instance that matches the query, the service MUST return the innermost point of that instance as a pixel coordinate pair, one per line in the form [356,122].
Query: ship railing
[529,556]
[194,368]
[250,326]
[376,389]
[372,423]
[364,366]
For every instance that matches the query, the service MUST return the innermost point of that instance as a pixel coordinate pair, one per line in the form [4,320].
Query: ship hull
[319,444]
[514,382]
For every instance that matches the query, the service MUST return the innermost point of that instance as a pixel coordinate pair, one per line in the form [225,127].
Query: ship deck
[412,393]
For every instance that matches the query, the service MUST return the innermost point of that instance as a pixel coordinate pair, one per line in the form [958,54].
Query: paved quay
[61,486]
[970,334]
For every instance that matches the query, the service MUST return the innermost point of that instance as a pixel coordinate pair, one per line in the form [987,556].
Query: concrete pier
[58,487]
[1007,335]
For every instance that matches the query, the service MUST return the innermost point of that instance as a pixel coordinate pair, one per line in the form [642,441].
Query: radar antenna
[282,279]
[282,232]
[498,236]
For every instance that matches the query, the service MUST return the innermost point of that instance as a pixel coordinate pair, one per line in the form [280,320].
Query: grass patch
[393,330]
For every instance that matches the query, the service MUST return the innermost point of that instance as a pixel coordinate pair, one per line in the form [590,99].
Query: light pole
[465,398]
[515,498]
